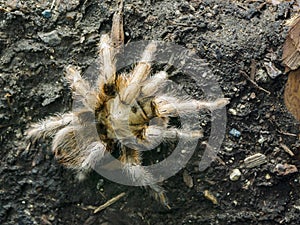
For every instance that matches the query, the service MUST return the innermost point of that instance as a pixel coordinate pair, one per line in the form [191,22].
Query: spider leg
[153,135]
[182,133]
[117,31]
[65,147]
[139,175]
[109,47]
[152,85]
[94,152]
[49,126]
[139,74]
[171,106]
[107,63]
[81,87]
[160,195]
[75,147]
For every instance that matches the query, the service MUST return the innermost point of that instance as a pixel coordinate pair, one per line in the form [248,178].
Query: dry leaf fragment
[291,47]
[291,60]
[292,93]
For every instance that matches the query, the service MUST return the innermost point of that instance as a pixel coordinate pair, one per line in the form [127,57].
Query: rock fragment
[285,169]
[235,175]
[51,38]
[188,179]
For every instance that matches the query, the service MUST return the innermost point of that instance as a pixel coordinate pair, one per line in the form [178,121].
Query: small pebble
[233,112]
[47,13]
[52,38]
[252,95]
[51,217]
[235,175]
[100,184]
[272,71]
[188,179]
[268,176]
[261,76]
[241,106]
[285,169]
[228,149]
[261,140]
[235,133]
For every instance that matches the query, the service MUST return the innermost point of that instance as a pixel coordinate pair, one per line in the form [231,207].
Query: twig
[5,125]
[252,69]
[184,24]
[286,149]
[28,146]
[261,6]
[286,133]
[254,83]
[109,202]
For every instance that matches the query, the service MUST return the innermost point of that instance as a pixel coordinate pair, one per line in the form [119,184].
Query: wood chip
[286,149]
[255,160]
[291,47]
[208,195]
[291,60]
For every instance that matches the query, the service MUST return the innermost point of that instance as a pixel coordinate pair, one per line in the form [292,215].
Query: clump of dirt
[236,38]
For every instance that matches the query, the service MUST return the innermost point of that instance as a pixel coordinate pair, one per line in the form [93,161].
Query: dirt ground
[236,38]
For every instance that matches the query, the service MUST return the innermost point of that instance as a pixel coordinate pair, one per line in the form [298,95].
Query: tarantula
[127,112]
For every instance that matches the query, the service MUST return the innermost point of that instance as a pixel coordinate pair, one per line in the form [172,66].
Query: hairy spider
[129,112]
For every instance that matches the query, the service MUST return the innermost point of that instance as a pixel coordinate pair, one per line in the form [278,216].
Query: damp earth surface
[242,43]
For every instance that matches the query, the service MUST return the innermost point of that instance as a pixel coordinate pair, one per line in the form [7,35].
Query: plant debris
[292,93]
[255,160]
[291,60]
[291,47]
[208,195]
[109,202]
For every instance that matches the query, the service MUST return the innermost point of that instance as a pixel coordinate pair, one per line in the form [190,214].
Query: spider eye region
[109,89]
[133,109]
